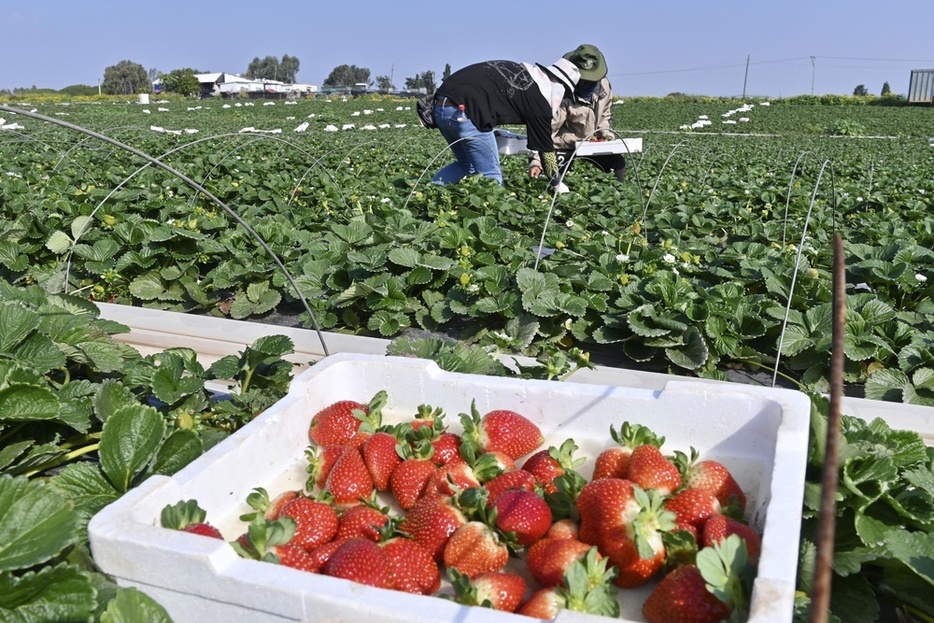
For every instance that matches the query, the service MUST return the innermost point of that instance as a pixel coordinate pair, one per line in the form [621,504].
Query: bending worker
[475,99]
[585,114]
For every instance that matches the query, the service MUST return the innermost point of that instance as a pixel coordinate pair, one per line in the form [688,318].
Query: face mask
[585,90]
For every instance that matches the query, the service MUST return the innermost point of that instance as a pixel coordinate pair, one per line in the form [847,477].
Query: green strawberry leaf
[60,593]
[131,605]
[129,440]
[35,523]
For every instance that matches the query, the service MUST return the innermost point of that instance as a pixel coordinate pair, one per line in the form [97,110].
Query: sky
[761,48]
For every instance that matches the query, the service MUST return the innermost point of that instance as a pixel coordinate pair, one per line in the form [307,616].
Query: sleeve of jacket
[605,110]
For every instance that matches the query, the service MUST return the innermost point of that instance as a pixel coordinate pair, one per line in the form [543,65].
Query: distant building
[921,86]
[232,85]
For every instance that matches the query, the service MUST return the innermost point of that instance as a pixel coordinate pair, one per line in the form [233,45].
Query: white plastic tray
[619,146]
[756,432]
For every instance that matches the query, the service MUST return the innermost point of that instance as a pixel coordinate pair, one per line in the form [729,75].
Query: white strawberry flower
[668,258]
[920,277]
[622,257]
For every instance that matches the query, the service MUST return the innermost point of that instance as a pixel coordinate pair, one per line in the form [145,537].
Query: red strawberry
[614,462]
[452,478]
[258,500]
[381,457]
[516,479]
[682,597]
[320,461]
[714,477]
[548,464]
[431,521]
[563,529]
[501,430]
[475,548]
[650,469]
[203,529]
[692,507]
[315,522]
[338,422]
[363,520]
[447,448]
[523,513]
[361,561]
[349,480]
[411,478]
[271,541]
[719,527]
[549,558]
[626,523]
[322,553]
[585,588]
[497,589]
[545,603]
[411,567]
[187,516]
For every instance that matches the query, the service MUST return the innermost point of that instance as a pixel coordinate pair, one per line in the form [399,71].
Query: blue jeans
[476,151]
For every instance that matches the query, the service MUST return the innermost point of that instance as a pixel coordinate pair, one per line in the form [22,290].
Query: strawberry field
[712,259]
[713,255]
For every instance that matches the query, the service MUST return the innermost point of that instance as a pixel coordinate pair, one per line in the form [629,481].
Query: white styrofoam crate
[619,146]
[759,433]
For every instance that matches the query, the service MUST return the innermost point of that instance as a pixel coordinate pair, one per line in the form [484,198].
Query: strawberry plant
[84,419]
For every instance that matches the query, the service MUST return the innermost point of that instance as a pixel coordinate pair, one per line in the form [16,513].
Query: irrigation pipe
[194,185]
[794,274]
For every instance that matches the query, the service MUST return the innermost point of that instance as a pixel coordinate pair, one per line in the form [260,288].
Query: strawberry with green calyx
[549,464]
[258,499]
[316,521]
[716,588]
[718,527]
[563,501]
[187,516]
[650,469]
[429,426]
[549,558]
[452,478]
[270,541]
[586,587]
[626,523]
[411,478]
[501,430]
[614,462]
[499,590]
[338,422]
[364,520]
[714,477]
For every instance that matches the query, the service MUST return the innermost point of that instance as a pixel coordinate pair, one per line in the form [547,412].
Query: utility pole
[813,69]
[746,77]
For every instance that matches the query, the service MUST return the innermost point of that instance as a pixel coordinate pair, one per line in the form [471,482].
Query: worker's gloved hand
[559,187]
[535,171]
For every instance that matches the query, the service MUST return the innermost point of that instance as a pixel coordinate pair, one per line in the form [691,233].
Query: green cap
[590,61]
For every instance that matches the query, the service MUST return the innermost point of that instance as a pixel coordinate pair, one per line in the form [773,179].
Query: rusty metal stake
[820,600]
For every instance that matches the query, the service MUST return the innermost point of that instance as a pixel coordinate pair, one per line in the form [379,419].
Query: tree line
[130,78]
